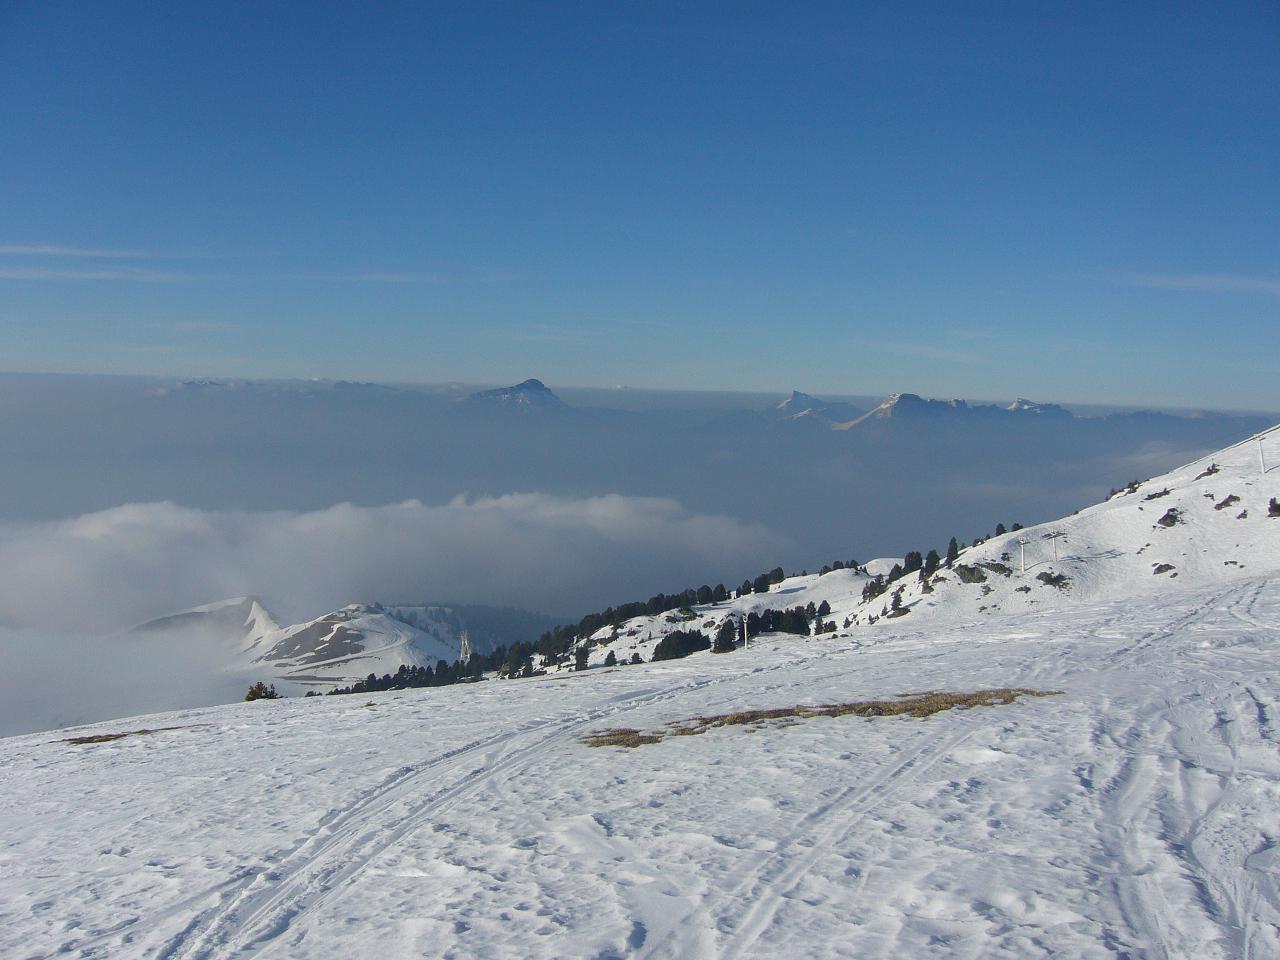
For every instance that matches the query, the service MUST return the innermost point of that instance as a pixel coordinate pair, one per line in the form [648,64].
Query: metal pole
[1262,458]
[1022,552]
[746,640]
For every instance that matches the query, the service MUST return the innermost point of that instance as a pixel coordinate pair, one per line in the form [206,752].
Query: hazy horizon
[642,397]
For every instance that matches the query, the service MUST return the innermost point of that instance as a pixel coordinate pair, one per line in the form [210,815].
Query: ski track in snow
[261,907]
[1134,815]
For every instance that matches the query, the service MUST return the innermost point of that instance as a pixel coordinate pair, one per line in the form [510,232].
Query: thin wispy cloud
[1207,282]
[61,250]
[65,251]
[134,274]
[423,277]
[378,277]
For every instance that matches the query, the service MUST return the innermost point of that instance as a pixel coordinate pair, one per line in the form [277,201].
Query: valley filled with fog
[805,484]
[131,498]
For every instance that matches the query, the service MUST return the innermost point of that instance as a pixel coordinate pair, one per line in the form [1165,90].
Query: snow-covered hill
[1201,524]
[1208,522]
[342,646]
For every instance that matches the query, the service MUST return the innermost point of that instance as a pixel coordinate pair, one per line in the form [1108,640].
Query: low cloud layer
[106,571]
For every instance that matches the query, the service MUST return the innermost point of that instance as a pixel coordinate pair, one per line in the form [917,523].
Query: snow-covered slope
[360,639]
[1202,524]
[1134,814]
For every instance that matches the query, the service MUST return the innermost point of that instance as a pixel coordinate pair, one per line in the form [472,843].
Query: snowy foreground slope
[1135,813]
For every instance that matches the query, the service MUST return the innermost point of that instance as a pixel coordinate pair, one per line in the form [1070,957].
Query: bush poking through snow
[1131,487]
[1209,471]
[1226,502]
[1273,508]
[1171,517]
[1162,568]
[1059,580]
[968,574]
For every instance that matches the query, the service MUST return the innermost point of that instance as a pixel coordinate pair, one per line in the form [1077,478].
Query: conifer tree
[953,551]
[260,691]
[726,637]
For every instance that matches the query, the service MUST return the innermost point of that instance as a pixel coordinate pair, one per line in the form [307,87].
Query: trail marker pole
[1022,544]
[1262,458]
[746,640]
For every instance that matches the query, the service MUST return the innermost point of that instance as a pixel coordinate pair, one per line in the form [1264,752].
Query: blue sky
[1074,202]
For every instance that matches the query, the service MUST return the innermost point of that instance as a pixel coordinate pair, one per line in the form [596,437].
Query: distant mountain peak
[530,394]
[1023,405]
[797,401]
[803,406]
[899,404]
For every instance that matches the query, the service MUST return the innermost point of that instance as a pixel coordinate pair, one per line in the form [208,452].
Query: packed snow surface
[1135,813]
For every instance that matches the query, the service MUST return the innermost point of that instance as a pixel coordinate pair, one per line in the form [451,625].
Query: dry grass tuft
[108,737]
[917,705]
[620,737]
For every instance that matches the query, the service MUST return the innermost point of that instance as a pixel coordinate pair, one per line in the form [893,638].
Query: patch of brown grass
[108,737]
[917,705]
[620,737]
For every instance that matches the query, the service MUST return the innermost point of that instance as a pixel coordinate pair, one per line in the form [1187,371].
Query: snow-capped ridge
[801,406]
[1199,525]
[1022,405]
[1203,523]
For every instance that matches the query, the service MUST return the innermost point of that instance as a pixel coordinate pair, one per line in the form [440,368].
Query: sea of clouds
[71,589]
